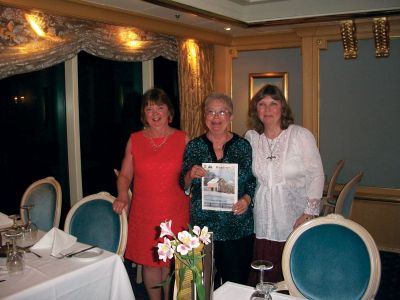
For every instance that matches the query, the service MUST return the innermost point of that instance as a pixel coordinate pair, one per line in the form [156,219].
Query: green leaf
[182,272]
[201,293]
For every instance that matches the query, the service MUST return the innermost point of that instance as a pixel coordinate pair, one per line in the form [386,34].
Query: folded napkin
[55,239]
[5,221]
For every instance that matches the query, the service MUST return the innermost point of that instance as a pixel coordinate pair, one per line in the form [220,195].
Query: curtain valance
[24,50]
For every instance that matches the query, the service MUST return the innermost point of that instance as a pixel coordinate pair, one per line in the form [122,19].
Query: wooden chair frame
[122,217]
[340,202]
[369,242]
[53,182]
[329,200]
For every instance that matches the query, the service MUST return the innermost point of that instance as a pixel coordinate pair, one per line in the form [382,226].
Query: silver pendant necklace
[271,150]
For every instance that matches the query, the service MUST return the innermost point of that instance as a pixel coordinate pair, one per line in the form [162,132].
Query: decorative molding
[381,37]
[349,39]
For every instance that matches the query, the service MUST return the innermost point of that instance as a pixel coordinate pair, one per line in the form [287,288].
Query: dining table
[234,291]
[98,277]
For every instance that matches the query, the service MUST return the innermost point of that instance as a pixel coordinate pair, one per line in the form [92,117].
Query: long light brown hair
[275,93]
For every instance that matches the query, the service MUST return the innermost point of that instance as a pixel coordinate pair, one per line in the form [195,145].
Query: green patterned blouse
[225,225]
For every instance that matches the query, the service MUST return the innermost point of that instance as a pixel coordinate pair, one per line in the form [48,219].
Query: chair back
[93,221]
[45,196]
[328,202]
[332,183]
[331,258]
[345,199]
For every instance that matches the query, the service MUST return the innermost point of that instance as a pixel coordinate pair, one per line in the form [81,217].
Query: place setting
[58,244]
[23,246]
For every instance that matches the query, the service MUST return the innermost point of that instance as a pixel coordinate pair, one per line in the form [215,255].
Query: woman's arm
[124,181]
[314,176]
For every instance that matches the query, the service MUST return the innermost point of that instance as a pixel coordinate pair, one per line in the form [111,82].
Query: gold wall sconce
[380,29]
[349,39]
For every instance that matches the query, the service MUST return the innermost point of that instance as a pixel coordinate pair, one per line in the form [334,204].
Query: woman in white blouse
[290,177]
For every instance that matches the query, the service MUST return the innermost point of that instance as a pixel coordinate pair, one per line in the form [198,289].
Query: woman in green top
[233,229]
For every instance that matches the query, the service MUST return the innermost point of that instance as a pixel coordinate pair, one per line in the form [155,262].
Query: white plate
[88,255]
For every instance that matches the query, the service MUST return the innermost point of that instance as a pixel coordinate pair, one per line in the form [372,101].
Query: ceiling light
[227,28]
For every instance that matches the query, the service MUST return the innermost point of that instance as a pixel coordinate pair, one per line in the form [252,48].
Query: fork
[71,253]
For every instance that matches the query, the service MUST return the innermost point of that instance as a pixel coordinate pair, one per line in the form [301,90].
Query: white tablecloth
[234,291]
[68,278]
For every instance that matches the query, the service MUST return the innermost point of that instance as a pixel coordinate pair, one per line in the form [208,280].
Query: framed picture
[258,80]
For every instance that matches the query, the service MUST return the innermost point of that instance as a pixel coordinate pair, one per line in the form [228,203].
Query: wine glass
[15,218]
[30,228]
[263,289]
[15,260]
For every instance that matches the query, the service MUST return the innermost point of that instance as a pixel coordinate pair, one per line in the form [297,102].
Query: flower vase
[188,274]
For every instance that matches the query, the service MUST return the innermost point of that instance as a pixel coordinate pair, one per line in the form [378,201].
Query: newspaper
[219,186]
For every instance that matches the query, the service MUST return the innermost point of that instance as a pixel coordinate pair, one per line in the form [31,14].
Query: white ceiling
[246,17]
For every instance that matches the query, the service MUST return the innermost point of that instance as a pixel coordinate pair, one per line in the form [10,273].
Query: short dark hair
[218,96]
[156,96]
[275,93]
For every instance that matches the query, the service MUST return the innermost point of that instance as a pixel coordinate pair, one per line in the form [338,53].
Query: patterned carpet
[389,288]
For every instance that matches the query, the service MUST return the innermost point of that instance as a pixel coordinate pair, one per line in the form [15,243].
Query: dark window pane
[166,78]
[33,134]
[109,110]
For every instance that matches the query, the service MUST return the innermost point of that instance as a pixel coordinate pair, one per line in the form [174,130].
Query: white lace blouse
[290,180]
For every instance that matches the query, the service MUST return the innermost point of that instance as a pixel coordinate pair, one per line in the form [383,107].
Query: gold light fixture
[349,39]
[37,24]
[380,29]
[130,38]
[193,50]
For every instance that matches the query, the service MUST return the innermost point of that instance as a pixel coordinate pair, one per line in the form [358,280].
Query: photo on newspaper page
[219,186]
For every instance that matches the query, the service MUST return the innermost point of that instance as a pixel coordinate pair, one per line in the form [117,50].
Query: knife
[80,251]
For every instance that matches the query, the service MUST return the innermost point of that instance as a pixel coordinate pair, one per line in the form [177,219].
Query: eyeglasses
[221,113]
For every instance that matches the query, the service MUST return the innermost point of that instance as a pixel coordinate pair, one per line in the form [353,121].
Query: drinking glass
[263,289]
[15,218]
[30,228]
[15,260]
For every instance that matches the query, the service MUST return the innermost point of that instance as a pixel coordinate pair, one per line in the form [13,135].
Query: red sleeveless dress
[157,195]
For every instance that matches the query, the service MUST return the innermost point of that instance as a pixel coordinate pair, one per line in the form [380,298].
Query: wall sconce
[349,39]
[193,56]
[37,24]
[131,38]
[381,36]
[18,99]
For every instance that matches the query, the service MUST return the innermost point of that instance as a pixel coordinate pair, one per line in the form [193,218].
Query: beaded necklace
[155,146]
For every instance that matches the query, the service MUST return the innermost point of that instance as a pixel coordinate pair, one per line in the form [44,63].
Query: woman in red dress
[153,158]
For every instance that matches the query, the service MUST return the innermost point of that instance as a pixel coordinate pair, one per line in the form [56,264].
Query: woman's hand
[119,205]
[302,219]
[197,172]
[241,206]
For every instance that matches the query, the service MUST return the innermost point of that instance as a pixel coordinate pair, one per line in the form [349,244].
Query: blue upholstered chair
[331,258]
[93,221]
[345,199]
[45,195]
